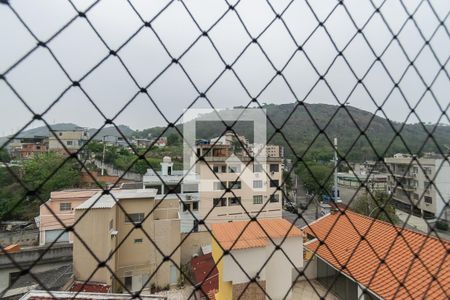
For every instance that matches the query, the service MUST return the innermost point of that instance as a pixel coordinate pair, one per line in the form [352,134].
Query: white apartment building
[232,187]
[411,182]
[176,184]
[71,139]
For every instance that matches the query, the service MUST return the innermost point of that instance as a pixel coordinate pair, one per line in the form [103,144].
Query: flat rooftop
[107,201]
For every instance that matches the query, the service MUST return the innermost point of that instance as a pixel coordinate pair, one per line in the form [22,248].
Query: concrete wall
[280,269]
[310,271]
[22,237]
[57,253]
[94,231]
[192,244]
[56,256]
[225,287]
[277,272]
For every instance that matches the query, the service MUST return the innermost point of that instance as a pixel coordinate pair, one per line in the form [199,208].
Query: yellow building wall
[225,287]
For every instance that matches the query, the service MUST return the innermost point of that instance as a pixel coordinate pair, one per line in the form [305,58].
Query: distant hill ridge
[44,131]
[310,124]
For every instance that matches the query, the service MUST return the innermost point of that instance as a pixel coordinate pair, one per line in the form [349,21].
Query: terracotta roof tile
[90,287]
[341,234]
[253,235]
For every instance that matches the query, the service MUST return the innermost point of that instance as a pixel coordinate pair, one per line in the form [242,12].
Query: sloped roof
[52,279]
[341,235]
[78,193]
[253,235]
[205,273]
[90,287]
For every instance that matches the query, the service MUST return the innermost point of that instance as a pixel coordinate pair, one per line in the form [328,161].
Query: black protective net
[390,57]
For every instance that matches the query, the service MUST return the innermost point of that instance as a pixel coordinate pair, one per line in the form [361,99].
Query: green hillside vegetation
[44,173]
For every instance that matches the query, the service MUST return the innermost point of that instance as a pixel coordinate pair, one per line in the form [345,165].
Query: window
[257,168]
[274,198]
[220,186]
[65,206]
[219,202]
[127,282]
[58,235]
[235,185]
[173,189]
[111,224]
[69,143]
[195,226]
[169,170]
[234,201]
[274,183]
[138,241]
[274,167]
[135,218]
[194,205]
[428,199]
[220,168]
[257,199]
[234,169]
[257,184]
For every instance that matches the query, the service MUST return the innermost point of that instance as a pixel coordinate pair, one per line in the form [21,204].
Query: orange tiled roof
[399,265]
[253,235]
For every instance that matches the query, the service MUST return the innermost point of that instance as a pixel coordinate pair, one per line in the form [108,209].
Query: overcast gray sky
[39,79]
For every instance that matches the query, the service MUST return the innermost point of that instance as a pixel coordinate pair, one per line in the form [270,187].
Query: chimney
[166,166]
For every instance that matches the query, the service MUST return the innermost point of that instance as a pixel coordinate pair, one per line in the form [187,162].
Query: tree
[48,166]
[173,139]
[378,205]
[317,178]
[4,156]
[11,193]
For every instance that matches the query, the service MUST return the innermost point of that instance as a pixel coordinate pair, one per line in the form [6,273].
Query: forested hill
[309,125]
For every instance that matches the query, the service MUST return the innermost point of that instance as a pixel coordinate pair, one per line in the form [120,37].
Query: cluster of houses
[222,222]
[419,186]
[70,140]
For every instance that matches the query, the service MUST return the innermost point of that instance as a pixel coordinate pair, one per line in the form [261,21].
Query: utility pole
[103,156]
[336,198]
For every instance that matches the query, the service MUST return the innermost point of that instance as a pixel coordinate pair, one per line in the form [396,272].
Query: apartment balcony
[407,188]
[403,175]
[402,197]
